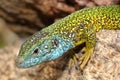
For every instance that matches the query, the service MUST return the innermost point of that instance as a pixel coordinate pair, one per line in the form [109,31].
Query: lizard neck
[75,26]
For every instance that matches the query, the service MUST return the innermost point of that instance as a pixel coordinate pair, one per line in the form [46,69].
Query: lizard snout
[18,62]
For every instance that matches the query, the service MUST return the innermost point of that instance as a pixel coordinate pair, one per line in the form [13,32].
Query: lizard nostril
[18,62]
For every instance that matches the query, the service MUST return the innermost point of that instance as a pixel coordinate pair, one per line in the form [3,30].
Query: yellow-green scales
[69,32]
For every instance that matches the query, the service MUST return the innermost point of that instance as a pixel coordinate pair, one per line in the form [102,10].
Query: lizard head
[41,47]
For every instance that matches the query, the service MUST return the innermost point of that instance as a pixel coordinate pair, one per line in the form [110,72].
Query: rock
[103,66]
[6,35]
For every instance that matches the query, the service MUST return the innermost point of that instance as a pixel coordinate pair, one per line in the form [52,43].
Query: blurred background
[21,18]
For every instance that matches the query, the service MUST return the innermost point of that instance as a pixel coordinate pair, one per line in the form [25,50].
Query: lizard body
[67,33]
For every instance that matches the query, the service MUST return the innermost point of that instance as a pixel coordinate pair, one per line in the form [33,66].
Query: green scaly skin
[69,32]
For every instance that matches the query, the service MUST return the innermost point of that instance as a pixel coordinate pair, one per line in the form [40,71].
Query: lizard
[79,27]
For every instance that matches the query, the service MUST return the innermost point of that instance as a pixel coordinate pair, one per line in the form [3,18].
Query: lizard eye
[35,52]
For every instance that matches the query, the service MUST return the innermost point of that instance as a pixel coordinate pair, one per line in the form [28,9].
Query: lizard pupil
[36,51]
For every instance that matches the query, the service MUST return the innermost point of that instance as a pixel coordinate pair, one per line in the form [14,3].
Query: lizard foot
[74,60]
[87,55]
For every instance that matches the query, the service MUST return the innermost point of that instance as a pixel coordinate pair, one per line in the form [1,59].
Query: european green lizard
[67,33]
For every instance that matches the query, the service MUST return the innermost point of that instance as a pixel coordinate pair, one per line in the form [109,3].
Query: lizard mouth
[18,62]
[21,63]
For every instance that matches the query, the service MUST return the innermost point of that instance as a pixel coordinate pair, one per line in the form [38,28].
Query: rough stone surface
[103,66]
[6,35]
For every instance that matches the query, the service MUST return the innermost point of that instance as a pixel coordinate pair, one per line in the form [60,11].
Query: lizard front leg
[90,44]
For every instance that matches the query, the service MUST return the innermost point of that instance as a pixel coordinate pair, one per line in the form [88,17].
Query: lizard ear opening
[55,42]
